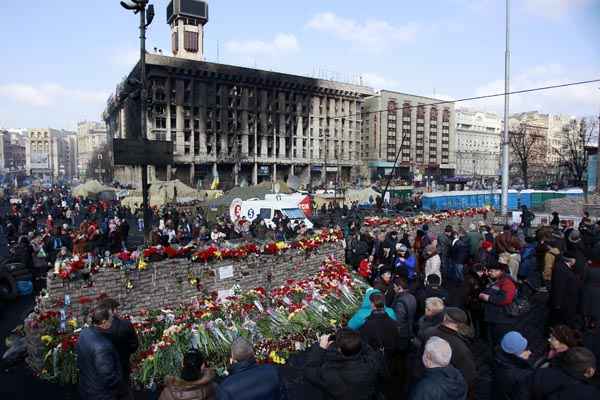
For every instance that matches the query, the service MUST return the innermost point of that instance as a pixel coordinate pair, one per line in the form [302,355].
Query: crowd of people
[447,316]
[51,225]
[466,302]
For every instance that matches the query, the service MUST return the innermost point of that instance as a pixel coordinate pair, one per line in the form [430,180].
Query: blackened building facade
[244,124]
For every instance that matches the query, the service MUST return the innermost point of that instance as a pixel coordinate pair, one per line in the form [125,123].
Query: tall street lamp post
[145,10]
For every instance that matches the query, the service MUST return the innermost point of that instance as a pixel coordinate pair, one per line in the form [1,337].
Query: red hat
[486,245]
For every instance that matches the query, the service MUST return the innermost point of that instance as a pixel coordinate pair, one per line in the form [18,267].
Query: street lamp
[146,12]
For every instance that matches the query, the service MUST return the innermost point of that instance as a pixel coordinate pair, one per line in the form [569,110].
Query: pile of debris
[574,206]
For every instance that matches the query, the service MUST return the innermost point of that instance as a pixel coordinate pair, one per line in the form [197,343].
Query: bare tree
[527,145]
[100,165]
[573,155]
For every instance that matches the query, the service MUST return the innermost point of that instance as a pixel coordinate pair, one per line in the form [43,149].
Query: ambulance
[267,208]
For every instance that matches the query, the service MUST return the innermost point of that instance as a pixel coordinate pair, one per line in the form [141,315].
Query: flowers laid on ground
[425,218]
[282,321]
[85,265]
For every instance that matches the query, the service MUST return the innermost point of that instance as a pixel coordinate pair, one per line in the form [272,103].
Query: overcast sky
[63,58]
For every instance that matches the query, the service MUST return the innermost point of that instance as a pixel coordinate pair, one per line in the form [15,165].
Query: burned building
[241,123]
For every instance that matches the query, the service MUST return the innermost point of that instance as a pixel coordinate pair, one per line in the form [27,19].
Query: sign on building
[39,161]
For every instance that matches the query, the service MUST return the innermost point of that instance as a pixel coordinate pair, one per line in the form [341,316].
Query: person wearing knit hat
[561,339]
[511,366]
[514,343]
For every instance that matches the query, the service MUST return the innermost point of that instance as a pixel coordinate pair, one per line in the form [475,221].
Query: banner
[39,161]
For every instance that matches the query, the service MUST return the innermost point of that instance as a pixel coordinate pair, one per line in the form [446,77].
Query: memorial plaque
[226,272]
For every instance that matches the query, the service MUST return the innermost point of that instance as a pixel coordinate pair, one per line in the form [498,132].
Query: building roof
[384,91]
[233,73]
[252,73]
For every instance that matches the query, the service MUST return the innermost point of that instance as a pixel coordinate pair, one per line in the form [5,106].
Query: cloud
[553,9]
[127,58]
[48,104]
[48,94]
[377,81]
[282,43]
[372,34]
[579,100]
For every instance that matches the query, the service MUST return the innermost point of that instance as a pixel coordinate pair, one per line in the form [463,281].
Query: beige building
[555,129]
[91,136]
[51,153]
[478,136]
[425,133]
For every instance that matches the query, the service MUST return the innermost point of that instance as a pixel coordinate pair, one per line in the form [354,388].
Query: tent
[362,196]
[163,192]
[93,188]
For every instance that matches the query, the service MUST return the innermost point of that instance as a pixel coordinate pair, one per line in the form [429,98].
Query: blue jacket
[528,261]
[359,317]
[250,381]
[98,365]
[407,267]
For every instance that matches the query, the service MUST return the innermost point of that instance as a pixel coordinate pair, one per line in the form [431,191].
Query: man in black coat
[511,367]
[123,336]
[100,376]
[248,380]
[441,380]
[564,295]
[381,333]
[567,380]
[454,330]
[346,369]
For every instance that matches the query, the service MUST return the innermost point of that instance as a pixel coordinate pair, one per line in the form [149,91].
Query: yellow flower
[218,254]
[281,245]
[73,323]
[47,339]
[276,358]
[332,322]
[292,315]
[142,265]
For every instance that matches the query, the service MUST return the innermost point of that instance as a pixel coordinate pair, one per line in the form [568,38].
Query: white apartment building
[478,136]
[91,136]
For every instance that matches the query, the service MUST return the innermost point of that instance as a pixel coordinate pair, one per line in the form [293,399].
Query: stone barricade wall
[166,283]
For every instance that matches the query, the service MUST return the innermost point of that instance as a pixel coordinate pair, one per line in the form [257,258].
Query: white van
[266,210]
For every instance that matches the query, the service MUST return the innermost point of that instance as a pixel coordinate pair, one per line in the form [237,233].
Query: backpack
[519,306]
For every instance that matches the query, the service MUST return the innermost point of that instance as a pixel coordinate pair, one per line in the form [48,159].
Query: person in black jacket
[123,336]
[344,368]
[405,307]
[381,333]
[100,376]
[441,380]
[511,367]
[455,330]
[567,380]
[564,295]
[248,380]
